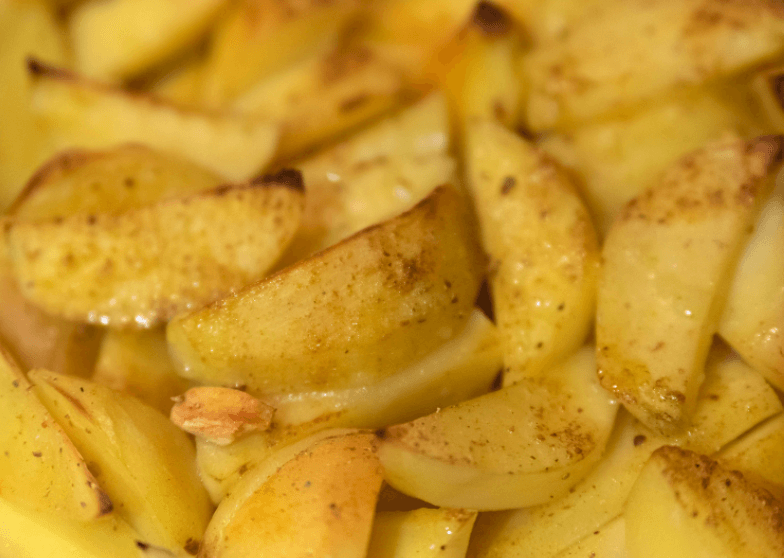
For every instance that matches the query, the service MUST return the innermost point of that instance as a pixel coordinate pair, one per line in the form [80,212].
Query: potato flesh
[421,532]
[667,262]
[609,541]
[543,249]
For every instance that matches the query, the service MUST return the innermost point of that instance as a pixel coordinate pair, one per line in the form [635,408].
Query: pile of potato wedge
[391,278]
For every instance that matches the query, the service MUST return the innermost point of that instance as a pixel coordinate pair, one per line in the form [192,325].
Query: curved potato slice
[347,317]
[320,503]
[543,248]
[703,510]
[127,177]
[40,468]
[145,463]
[517,447]
[120,38]
[442,532]
[145,265]
[668,261]
[82,114]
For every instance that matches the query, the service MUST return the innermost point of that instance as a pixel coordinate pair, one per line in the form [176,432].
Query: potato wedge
[127,177]
[147,264]
[145,463]
[347,317]
[84,114]
[40,467]
[668,260]
[705,510]
[118,39]
[542,245]
[320,503]
[374,175]
[753,319]
[420,533]
[258,37]
[667,44]
[520,446]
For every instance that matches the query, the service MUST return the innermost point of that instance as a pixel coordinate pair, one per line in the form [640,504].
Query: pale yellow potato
[117,39]
[520,446]
[324,96]
[616,58]
[753,319]
[29,534]
[138,363]
[759,455]
[374,175]
[608,541]
[144,265]
[145,464]
[687,505]
[181,85]
[126,177]
[79,113]
[421,533]
[41,470]
[617,158]
[259,37]
[549,19]
[462,368]
[27,28]
[347,317]
[668,261]
[542,245]
[734,398]
[320,503]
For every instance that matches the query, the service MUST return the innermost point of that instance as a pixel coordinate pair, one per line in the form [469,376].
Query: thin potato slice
[421,532]
[83,114]
[618,57]
[349,316]
[543,249]
[117,39]
[685,505]
[40,468]
[668,260]
[145,463]
[520,446]
[320,503]
[145,265]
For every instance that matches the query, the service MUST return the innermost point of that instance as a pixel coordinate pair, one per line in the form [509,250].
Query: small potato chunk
[347,317]
[425,532]
[685,505]
[320,503]
[144,265]
[616,58]
[40,468]
[668,260]
[517,447]
[146,464]
[542,245]
[117,39]
[82,114]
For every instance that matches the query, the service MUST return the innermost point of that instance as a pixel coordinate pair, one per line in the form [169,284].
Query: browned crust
[290,178]
[491,20]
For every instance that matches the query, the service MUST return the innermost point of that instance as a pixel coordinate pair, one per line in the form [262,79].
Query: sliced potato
[423,532]
[549,19]
[144,265]
[520,446]
[320,503]
[83,114]
[608,541]
[145,463]
[138,363]
[120,38]
[704,509]
[348,317]
[666,44]
[542,245]
[668,260]
[374,175]
[41,470]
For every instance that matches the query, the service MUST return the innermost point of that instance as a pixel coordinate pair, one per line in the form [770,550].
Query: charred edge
[771,146]
[142,546]
[192,547]
[491,20]
[72,400]
[36,68]
[105,504]
[777,85]
[290,178]
[381,433]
